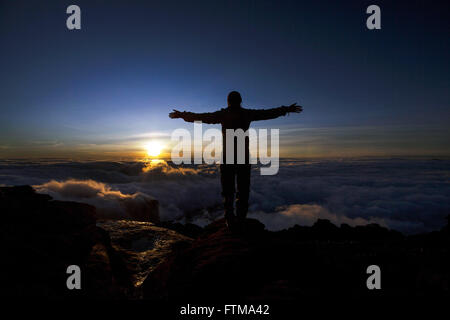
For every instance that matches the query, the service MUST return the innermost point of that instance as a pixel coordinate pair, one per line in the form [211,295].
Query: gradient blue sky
[107,89]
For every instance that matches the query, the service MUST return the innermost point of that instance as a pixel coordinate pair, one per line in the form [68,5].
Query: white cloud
[109,203]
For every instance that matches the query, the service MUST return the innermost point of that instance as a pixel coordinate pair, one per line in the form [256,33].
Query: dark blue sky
[108,87]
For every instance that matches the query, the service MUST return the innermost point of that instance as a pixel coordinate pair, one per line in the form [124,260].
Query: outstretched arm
[274,112]
[207,117]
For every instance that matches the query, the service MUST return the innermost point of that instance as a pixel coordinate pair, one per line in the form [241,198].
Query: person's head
[234,99]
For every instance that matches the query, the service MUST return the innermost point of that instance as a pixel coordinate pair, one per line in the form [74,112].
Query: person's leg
[243,190]
[227,180]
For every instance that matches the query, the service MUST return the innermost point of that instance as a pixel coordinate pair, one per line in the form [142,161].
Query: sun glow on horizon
[154,148]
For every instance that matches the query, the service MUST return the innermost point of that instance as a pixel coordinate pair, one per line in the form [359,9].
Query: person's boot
[230,218]
[241,216]
[231,223]
[241,225]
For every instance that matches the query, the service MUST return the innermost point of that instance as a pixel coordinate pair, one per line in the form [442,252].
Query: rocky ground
[40,237]
[300,262]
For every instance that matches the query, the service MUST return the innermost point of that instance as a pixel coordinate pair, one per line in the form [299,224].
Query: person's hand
[175,114]
[294,108]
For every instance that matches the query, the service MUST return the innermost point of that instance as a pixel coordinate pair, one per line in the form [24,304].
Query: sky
[106,90]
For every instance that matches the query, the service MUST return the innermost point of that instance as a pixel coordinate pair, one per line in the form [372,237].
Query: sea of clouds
[404,194]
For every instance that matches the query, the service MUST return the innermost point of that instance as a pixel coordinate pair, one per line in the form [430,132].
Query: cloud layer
[403,194]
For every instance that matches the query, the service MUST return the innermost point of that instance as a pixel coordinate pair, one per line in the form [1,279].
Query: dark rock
[142,246]
[320,260]
[189,229]
[147,211]
[40,238]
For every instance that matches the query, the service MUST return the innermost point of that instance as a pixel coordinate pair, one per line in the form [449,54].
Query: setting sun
[154,148]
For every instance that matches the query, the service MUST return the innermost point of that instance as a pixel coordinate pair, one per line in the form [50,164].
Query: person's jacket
[235,118]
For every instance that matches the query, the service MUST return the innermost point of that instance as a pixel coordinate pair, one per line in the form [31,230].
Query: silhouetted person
[235,117]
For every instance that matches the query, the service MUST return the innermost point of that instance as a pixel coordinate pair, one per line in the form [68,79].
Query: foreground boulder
[40,238]
[142,246]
